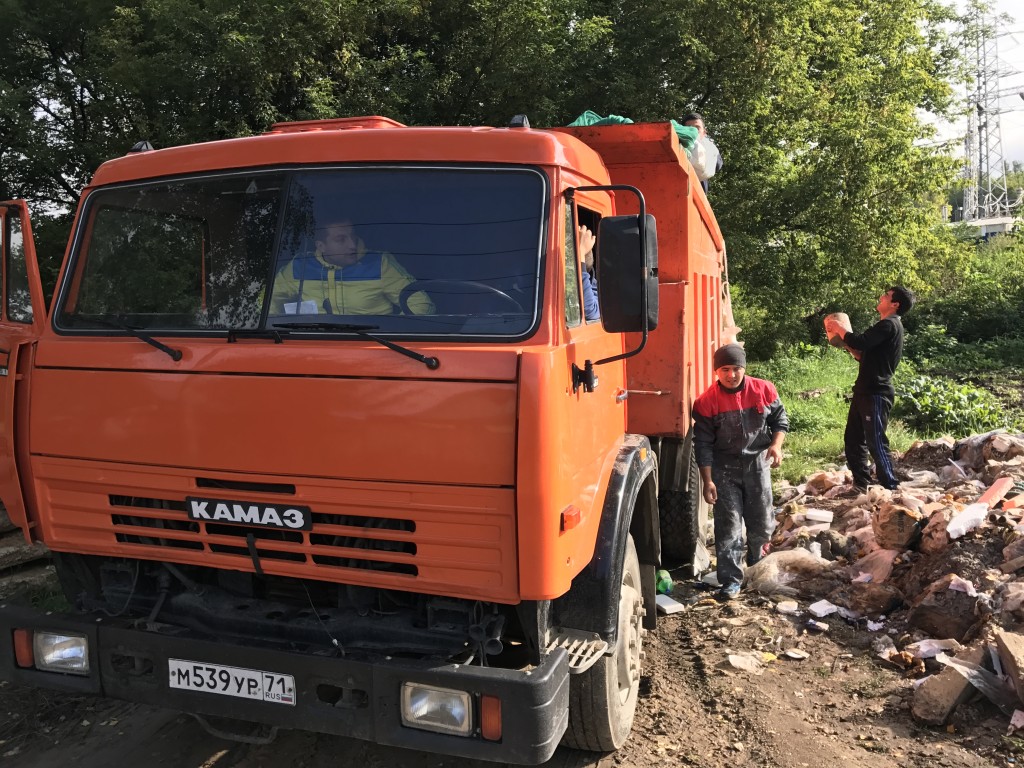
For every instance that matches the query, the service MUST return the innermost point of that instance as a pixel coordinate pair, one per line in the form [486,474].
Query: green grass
[814,383]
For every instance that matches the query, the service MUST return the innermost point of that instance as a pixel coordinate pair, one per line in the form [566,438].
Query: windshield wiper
[361,330]
[174,354]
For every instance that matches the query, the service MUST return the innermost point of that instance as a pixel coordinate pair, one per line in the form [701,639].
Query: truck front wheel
[602,700]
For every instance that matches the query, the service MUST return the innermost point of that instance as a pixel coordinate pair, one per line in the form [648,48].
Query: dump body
[249,472]
[675,367]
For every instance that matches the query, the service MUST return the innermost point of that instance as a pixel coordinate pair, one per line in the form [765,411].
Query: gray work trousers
[744,499]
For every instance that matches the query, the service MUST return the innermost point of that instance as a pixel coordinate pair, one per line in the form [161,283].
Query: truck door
[22,312]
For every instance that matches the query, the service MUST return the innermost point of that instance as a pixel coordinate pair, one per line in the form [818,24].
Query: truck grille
[453,540]
[360,535]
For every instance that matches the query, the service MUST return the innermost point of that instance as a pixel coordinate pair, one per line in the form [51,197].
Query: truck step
[584,648]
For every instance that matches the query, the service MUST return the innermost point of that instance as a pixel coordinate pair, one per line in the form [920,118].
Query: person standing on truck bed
[696,120]
[879,350]
[591,309]
[343,278]
[739,426]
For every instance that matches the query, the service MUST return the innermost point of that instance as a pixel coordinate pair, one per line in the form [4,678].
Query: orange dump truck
[320,435]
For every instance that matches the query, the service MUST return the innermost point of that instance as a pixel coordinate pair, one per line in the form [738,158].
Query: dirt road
[840,705]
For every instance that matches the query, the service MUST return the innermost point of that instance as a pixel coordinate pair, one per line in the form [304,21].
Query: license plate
[232,681]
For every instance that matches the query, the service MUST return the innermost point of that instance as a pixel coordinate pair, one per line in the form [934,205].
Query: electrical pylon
[985,194]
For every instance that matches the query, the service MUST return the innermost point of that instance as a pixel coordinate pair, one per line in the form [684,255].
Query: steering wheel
[469,287]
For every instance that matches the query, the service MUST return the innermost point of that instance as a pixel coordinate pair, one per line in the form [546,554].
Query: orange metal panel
[367,428]
[374,145]
[350,357]
[658,399]
[568,443]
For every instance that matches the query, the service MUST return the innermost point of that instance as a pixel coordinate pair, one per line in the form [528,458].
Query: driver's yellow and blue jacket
[308,284]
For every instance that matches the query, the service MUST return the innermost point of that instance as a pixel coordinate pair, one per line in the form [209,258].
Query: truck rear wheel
[602,700]
[684,520]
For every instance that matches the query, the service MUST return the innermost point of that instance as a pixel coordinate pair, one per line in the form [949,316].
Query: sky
[1010,49]
[1011,77]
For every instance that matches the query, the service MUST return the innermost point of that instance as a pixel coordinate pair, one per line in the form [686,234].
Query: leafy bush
[983,301]
[940,406]
[929,342]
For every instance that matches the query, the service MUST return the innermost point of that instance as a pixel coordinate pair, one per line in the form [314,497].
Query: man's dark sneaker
[730,592]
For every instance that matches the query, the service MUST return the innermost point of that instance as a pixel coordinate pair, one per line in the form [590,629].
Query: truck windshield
[416,251]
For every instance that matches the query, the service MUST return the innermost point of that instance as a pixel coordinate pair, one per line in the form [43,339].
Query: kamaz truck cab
[319,436]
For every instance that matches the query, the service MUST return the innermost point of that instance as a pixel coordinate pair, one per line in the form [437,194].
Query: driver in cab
[343,278]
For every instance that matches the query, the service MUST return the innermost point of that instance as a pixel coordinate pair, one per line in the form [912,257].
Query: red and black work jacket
[737,423]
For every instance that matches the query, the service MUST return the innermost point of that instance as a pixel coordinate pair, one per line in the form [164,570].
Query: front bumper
[359,699]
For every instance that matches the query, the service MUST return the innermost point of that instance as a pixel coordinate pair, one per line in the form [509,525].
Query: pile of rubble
[935,568]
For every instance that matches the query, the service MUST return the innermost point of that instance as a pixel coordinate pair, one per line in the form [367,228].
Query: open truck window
[19,302]
[411,251]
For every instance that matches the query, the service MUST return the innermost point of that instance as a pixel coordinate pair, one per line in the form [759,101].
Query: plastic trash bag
[704,158]
[775,572]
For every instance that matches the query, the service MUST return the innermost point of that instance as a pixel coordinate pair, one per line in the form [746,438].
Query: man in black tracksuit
[879,350]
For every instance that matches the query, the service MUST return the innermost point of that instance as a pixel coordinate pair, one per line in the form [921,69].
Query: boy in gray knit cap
[739,426]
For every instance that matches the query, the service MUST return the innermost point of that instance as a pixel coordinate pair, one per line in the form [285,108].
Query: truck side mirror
[627,270]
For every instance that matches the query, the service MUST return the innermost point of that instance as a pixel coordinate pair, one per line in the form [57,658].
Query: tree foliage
[828,192]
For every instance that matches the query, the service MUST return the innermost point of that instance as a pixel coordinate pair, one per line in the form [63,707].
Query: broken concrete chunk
[867,599]
[748,662]
[939,695]
[1011,653]
[1012,596]
[934,537]
[1014,549]
[944,612]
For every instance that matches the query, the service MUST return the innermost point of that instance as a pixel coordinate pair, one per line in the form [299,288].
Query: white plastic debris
[874,626]
[710,578]
[969,518]
[883,646]
[821,626]
[818,515]
[791,607]
[668,606]
[958,584]
[796,653]
[748,662]
[921,479]
[929,649]
[822,608]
